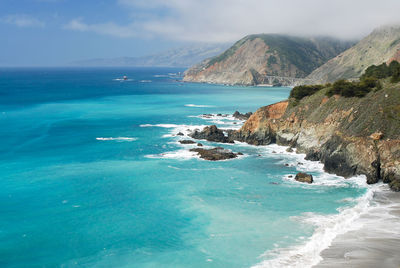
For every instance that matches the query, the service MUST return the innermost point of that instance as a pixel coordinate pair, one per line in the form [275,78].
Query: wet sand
[376,243]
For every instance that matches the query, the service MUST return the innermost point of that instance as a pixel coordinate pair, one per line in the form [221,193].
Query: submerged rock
[211,133]
[304,177]
[187,142]
[214,154]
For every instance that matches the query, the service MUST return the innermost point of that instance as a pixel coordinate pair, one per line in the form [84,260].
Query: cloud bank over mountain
[229,20]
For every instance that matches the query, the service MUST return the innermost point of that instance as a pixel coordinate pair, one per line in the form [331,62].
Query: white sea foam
[327,228]
[123,80]
[198,105]
[178,155]
[145,81]
[175,129]
[225,121]
[116,139]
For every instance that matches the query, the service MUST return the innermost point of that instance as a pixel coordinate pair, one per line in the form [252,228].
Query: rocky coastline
[350,136]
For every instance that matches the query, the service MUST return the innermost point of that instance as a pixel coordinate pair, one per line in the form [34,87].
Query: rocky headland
[349,135]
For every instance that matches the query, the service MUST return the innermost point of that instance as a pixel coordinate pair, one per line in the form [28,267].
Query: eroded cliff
[349,135]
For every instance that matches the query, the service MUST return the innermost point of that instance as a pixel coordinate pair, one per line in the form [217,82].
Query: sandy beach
[376,243]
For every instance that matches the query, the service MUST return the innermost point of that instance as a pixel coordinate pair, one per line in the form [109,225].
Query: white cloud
[229,20]
[22,20]
[108,28]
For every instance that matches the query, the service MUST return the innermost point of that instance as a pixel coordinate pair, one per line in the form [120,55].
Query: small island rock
[214,154]
[187,142]
[304,177]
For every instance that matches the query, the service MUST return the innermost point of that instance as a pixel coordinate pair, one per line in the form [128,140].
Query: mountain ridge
[254,59]
[178,57]
[381,46]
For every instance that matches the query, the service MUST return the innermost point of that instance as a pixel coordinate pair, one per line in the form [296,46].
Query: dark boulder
[199,144]
[180,134]
[214,154]
[211,133]
[304,177]
[187,142]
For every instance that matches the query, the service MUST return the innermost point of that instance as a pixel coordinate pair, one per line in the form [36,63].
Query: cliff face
[382,45]
[349,135]
[266,59]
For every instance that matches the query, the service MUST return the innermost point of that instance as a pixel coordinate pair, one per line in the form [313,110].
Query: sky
[56,32]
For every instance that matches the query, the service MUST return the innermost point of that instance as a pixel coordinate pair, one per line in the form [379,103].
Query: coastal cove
[93,174]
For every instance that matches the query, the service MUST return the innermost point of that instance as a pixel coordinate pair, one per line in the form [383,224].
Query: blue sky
[36,32]
[55,32]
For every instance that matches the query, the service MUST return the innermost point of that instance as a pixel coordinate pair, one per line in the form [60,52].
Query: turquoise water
[89,177]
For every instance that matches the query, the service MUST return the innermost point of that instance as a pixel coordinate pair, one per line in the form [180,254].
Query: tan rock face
[270,112]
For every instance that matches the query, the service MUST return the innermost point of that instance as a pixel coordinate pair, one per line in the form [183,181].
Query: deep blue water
[68,199]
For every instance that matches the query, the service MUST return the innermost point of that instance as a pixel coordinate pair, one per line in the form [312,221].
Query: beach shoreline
[376,243]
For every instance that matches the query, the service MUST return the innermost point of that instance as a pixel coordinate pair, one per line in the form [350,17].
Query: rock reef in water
[215,154]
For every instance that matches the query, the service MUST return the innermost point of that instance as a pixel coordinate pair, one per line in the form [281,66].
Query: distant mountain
[267,59]
[179,57]
[382,45]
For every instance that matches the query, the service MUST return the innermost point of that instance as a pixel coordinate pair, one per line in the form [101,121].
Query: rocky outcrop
[304,177]
[211,133]
[382,45]
[215,154]
[266,59]
[349,135]
[241,116]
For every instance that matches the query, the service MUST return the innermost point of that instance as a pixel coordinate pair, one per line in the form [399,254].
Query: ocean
[92,175]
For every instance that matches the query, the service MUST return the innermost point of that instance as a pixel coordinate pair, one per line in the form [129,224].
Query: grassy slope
[375,111]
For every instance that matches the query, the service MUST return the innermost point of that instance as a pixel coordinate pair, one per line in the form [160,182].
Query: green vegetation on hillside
[300,92]
[353,89]
[369,81]
[384,71]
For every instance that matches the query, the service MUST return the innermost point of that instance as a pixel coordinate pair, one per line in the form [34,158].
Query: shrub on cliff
[383,71]
[354,89]
[300,92]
